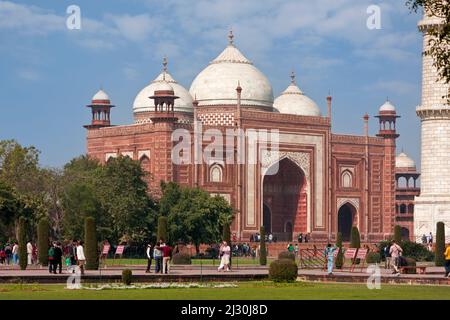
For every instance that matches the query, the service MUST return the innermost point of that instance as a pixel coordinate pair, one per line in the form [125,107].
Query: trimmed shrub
[22,235]
[42,241]
[127,276]
[162,229]
[286,255]
[410,262]
[373,257]
[283,270]
[440,245]
[181,258]
[398,234]
[355,240]
[262,247]
[417,251]
[340,256]
[90,241]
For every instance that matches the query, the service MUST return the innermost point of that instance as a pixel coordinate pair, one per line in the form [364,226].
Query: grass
[206,262]
[244,291]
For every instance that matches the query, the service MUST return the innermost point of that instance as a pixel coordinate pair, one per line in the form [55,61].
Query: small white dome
[216,84]
[100,95]
[143,103]
[387,106]
[294,101]
[403,161]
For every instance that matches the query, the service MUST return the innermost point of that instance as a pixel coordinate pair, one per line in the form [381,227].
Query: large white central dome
[216,84]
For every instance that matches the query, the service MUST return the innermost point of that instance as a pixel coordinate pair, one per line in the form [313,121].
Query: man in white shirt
[81,259]
[29,252]
[396,252]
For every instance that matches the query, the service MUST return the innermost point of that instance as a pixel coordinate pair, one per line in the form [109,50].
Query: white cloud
[28,19]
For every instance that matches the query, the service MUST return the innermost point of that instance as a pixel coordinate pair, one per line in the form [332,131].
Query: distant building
[325,183]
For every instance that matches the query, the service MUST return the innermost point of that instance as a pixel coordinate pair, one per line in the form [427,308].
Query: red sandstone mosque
[325,183]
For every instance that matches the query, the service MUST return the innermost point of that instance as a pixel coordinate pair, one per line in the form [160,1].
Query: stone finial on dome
[293,77]
[165,63]
[230,37]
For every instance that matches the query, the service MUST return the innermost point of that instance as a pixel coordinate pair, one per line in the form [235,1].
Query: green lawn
[245,290]
[210,262]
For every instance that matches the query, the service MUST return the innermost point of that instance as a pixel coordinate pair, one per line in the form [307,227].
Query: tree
[355,241]
[398,234]
[340,255]
[90,242]
[440,244]
[22,235]
[42,242]
[162,229]
[194,216]
[115,195]
[9,210]
[262,247]
[439,43]
[122,191]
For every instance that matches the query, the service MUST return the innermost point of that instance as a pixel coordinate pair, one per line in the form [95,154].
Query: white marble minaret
[433,204]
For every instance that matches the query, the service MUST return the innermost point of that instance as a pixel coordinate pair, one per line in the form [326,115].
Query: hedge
[127,277]
[283,270]
[440,245]
[90,244]
[262,247]
[162,229]
[42,241]
[340,255]
[22,235]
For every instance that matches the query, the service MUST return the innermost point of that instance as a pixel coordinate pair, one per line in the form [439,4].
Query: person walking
[15,253]
[51,257]
[149,255]
[329,255]
[157,254]
[447,261]
[81,259]
[29,253]
[395,252]
[225,254]
[387,257]
[73,253]
[8,253]
[296,249]
[166,254]
[290,248]
[57,257]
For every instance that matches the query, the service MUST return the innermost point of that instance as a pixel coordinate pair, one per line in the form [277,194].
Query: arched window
[145,163]
[410,208]
[346,179]
[215,173]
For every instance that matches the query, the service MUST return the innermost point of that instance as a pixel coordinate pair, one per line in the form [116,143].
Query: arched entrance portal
[285,193]
[346,216]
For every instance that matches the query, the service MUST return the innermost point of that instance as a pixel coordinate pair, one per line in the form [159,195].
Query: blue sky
[49,73]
